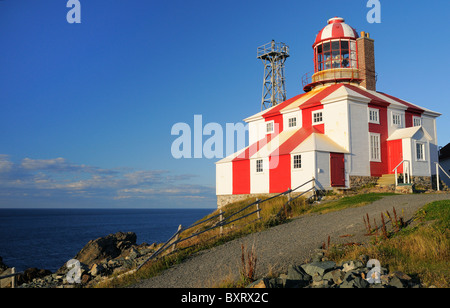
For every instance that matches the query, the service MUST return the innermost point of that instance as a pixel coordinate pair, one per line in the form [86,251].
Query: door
[337,170]
[395,150]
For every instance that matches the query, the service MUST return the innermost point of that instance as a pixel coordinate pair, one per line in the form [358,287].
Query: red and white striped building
[340,129]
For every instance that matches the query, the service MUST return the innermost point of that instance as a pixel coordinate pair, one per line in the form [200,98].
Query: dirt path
[281,246]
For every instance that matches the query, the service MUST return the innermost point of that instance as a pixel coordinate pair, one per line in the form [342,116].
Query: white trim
[273,127]
[314,113]
[293,161]
[399,117]
[414,121]
[424,153]
[288,126]
[262,166]
[377,147]
[377,120]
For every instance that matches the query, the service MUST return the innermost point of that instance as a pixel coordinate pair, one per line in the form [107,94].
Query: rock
[297,277]
[32,273]
[108,247]
[336,276]
[319,268]
[352,265]
[260,284]
[400,280]
[85,278]
[96,270]
[396,282]
[297,273]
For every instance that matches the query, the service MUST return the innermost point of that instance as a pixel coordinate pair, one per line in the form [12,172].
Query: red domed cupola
[336,29]
[335,54]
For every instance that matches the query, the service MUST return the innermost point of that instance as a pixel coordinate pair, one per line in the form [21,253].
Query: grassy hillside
[421,250]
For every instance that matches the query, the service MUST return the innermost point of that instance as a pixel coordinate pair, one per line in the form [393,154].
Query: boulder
[318,268]
[32,273]
[297,277]
[108,247]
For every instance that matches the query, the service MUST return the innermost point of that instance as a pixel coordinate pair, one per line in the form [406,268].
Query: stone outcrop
[99,259]
[108,247]
[322,273]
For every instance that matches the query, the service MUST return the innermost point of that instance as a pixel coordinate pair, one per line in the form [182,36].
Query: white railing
[406,174]
[437,174]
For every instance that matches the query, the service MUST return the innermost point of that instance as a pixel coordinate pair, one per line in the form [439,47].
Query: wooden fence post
[176,237]
[13,278]
[221,219]
[257,208]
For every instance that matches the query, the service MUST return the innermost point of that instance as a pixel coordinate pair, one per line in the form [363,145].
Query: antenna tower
[273,56]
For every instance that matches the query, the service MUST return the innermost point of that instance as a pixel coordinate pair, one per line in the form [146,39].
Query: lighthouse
[341,132]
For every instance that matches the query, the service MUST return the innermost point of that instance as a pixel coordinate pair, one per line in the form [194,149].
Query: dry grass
[422,252]
[273,212]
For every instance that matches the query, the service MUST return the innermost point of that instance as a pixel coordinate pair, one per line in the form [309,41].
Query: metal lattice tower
[273,55]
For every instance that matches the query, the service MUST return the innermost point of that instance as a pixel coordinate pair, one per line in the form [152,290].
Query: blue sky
[87,109]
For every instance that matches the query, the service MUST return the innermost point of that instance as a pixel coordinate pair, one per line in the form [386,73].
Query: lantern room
[335,46]
[336,55]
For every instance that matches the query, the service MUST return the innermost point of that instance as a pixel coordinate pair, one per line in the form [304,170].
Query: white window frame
[417,121]
[259,166]
[313,115]
[423,157]
[272,123]
[397,116]
[293,162]
[374,115]
[289,122]
[374,149]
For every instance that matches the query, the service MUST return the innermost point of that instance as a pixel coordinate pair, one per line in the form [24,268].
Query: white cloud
[5,163]
[60,178]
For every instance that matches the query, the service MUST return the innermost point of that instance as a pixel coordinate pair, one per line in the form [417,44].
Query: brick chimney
[366,61]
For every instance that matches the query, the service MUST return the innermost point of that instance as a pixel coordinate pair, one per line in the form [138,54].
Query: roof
[287,142]
[336,29]
[409,132]
[336,92]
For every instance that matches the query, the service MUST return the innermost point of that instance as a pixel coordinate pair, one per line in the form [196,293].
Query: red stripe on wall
[280,177]
[380,168]
[241,177]
[409,117]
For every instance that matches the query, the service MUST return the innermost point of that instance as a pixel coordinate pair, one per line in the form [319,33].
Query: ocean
[48,238]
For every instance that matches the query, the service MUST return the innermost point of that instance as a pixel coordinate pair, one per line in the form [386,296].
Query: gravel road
[288,244]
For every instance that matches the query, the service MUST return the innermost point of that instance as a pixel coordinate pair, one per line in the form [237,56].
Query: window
[335,54]
[317,117]
[374,116]
[375,147]
[420,151]
[269,127]
[259,166]
[417,121]
[292,122]
[397,119]
[297,162]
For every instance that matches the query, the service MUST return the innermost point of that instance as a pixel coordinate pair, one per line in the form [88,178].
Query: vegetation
[422,250]
[278,211]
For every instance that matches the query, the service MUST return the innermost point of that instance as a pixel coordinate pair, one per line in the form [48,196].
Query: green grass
[272,213]
[348,202]
[422,251]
